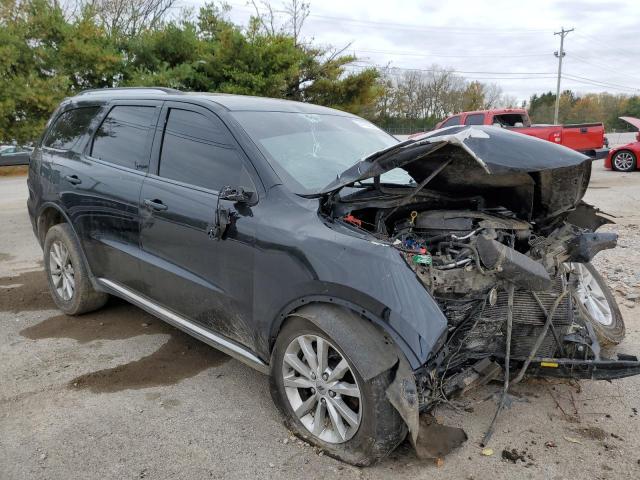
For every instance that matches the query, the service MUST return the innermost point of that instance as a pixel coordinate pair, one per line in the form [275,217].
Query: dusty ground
[118,394]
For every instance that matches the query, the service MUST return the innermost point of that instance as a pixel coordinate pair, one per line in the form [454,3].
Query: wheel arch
[51,214]
[311,301]
[385,352]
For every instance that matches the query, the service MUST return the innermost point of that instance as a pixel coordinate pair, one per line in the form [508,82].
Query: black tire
[629,167]
[381,428]
[613,333]
[84,298]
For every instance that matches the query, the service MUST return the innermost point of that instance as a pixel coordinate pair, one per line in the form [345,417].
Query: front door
[186,268]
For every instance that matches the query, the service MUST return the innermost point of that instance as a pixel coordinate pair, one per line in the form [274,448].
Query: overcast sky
[511,40]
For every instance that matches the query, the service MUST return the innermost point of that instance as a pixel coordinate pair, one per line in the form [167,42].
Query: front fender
[369,278]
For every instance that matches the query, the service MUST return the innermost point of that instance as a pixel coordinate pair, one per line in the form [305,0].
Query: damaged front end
[495,229]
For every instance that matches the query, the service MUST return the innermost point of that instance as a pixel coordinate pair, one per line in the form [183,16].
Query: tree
[127,17]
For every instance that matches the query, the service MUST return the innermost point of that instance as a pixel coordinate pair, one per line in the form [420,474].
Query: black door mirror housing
[237,194]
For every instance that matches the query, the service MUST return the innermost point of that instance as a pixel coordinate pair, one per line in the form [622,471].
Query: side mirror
[237,194]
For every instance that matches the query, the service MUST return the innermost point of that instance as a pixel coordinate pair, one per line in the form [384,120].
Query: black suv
[370,278]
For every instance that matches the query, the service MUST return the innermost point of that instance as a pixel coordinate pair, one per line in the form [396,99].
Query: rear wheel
[325,401]
[624,161]
[596,303]
[68,278]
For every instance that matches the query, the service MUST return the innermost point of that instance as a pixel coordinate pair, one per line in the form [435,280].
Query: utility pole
[563,33]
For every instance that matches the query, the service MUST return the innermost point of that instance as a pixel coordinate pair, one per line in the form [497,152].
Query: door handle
[73,179]
[155,204]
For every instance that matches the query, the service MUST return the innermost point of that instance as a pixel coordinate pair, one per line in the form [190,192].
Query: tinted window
[69,127]
[122,137]
[475,119]
[452,121]
[195,151]
[510,120]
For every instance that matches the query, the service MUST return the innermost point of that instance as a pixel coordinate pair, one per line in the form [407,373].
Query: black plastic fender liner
[403,395]
[586,216]
[369,347]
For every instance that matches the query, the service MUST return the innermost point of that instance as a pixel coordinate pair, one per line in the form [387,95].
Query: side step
[217,341]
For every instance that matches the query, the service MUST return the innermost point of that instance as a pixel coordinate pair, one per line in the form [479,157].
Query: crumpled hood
[534,178]
[635,122]
[496,150]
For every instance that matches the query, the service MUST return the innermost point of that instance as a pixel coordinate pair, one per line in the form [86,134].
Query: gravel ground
[118,394]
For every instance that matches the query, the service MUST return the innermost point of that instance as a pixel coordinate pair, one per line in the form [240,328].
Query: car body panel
[587,137]
[633,147]
[11,155]
[277,255]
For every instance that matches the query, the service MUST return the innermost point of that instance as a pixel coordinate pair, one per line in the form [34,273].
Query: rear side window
[196,150]
[474,119]
[451,122]
[510,120]
[123,137]
[69,127]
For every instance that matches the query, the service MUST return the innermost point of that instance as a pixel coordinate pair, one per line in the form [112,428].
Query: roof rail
[142,90]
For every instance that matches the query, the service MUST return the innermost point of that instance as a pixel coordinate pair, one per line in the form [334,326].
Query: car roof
[227,101]
[495,111]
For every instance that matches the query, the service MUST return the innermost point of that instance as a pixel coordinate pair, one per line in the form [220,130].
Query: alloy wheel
[322,389]
[61,271]
[590,295]
[623,161]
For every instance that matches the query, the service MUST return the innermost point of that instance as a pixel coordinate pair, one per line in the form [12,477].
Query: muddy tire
[597,305]
[624,161]
[376,428]
[67,275]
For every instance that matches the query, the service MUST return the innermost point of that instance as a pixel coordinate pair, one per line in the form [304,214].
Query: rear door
[104,189]
[186,269]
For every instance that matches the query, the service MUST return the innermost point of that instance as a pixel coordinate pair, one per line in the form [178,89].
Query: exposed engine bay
[495,240]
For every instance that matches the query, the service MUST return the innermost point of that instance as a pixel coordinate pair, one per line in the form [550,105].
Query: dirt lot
[118,394]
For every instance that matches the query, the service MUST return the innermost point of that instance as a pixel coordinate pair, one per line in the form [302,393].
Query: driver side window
[196,150]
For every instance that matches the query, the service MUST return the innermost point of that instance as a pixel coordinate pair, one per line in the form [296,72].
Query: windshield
[308,151]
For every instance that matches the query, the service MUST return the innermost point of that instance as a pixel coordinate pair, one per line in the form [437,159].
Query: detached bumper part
[585,246]
[603,369]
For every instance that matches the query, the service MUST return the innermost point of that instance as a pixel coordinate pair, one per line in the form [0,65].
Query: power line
[405,26]
[456,72]
[426,28]
[609,47]
[603,66]
[573,78]
[463,71]
[417,54]
[617,86]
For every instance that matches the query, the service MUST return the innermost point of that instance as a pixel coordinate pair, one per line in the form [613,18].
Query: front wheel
[324,399]
[596,304]
[624,161]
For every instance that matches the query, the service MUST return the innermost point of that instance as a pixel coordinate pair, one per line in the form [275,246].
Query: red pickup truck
[587,138]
